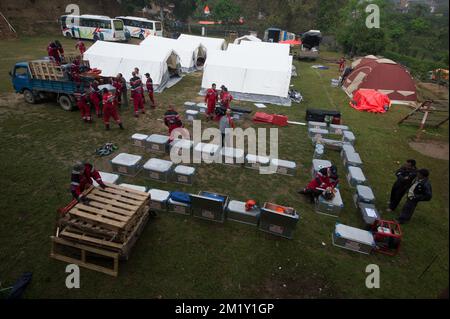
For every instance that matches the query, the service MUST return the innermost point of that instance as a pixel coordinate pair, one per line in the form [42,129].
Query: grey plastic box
[318,164]
[317,132]
[334,145]
[354,239]
[332,207]
[232,156]
[157,143]
[158,169]
[107,178]
[338,129]
[127,164]
[355,176]
[205,207]
[236,212]
[182,147]
[347,148]
[349,137]
[192,115]
[364,194]
[179,208]
[256,162]
[139,139]
[319,151]
[202,107]
[207,152]
[317,125]
[352,159]
[369,213]
[135,187]
[159,199]
[277,223]
[184,174]
[191,106]
[284,167]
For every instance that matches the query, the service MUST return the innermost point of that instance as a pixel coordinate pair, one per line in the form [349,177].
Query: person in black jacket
[405,177]
[420,191]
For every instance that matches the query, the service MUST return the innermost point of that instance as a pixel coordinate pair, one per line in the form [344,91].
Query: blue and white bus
[141,28]
[92,27]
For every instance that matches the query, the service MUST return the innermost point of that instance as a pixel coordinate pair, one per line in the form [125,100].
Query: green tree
[226,11]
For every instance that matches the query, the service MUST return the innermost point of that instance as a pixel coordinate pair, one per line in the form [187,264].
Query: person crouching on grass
[324,183]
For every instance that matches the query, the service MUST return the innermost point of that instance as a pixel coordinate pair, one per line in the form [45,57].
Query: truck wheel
[66,103]
[29,97]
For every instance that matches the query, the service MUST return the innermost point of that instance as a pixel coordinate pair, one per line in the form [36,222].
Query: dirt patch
[434,149]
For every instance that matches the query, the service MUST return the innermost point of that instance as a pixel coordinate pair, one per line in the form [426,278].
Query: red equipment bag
[263,117]
[280,120]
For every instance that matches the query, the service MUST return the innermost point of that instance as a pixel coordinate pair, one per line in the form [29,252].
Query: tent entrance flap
[201,57]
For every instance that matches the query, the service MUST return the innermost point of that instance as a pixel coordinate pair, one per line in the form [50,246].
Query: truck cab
[20,77]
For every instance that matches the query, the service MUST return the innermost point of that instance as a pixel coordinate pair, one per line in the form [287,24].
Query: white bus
[92,27]
[141,27]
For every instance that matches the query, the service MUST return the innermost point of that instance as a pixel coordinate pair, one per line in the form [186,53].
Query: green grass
[181,257]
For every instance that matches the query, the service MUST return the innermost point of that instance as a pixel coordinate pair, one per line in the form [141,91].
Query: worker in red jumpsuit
[110,109]
[211,99]
[341,65]
[80,47]
[83,105]
[117,83]
[83,175]
[172,120]
[325,181]
[150,90]
[225,98]
[53,54]
[95,98]
[137,94]
[60,50]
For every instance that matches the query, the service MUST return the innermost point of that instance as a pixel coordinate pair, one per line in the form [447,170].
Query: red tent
[383,75]
[370,101]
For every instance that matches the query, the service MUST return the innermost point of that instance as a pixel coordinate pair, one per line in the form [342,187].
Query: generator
[387,236]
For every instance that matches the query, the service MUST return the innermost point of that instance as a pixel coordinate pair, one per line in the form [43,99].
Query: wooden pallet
[115,208]
[69,59]
[46,70]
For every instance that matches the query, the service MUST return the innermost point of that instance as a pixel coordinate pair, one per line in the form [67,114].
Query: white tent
[192,54]
[268,47]
[247,38]
[206,42]
[113,58]
[250,74]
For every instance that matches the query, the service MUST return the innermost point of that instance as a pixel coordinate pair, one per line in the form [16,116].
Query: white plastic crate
[232,156]
[354,239]
[355,176]
[158,169]
[139,139]
[317,125]
[158,199]
[352,159]
[284,167]
[338,129]
[135,187]
[330,207]
[236,212]
[107,178]
[349,137]
[157,143]
[127,164]
[184,174]
[192,115]
[209,153]
[318,164]
[256,162]
[364,194]
[178,207]
[191,106]
[315,133]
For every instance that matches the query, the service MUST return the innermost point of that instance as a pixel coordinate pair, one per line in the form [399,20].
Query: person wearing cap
[225,97]
[420,191]
[137,94]
[150,90]
[405,177]
[124,90]
[211,99]
[110,109]
[325,181]
[116,82]
[95,97]
[82,102]
[83,175]
[226,122]
[172,120]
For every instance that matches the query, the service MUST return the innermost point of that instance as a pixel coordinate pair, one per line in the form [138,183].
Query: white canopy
[113,58]
[251,73]
[247,38]
[188,51]
[208,43]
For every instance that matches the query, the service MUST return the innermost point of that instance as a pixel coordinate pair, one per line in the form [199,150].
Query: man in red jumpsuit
[95,98]
[326,180]
[211,99]
[341,65]
[117,83]
[137,94]
[82,103]
[110,109]
[150,90]
[172,120]
[81,47]
[53,53]
[83,175]
[225,98]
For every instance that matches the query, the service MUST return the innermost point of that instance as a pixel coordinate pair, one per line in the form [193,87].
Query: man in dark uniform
[405,177]
[420,191]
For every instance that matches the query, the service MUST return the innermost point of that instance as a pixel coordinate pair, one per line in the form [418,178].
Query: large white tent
[113,58]
[247,38]
[251,73]
[191,53]
[208,43]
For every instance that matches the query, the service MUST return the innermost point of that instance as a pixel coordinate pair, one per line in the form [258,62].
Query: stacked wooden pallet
[69,59]
[97,234]
[46,70]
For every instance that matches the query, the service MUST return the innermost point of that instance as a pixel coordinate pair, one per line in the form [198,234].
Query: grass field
[180,257]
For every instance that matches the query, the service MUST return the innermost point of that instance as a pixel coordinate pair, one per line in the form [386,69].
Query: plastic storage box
[317,125]
[236,212]
[317,132]
[353,239]
[369,214]
[284,167]
[191,106]
[338,129]
[256,161]
[157,143]
[202,107]
[347,148]
[352,159]
[332,207]
[330,144]
[179,207]
[184,174]
[364,194]
[317,165]
[107,178]
[319,151]
[158,169]
[209,206]
[355,176]
[158,199]
[349,137]
[232,156]
[278,220]
[209,153]
[126,164]
[139,139]
[182,147]
[191,115]
[135,187]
